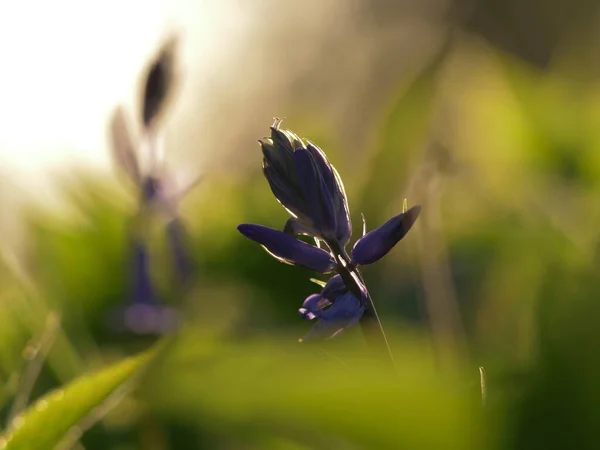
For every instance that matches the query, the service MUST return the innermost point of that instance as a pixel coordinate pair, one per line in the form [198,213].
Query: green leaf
[302,393]
[319,282]
[45,424]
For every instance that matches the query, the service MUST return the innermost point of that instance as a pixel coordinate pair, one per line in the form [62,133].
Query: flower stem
[370,324]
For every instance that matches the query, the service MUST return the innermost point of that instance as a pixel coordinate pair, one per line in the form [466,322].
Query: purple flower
[307,185]
[158,83]
[377,243]
[143,314]
[142,161]
[288,249]
[311,190]
[336,309]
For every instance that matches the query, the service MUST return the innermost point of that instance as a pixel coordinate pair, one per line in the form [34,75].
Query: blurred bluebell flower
[142,161]
[335,308]
[143,314]
[159,83]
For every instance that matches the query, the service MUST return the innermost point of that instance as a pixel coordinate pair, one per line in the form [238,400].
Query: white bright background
[65,64]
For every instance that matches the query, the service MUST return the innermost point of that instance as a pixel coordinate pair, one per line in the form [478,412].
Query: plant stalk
[370,324]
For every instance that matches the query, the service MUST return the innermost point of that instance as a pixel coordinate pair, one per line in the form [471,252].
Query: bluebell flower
[311,190]
[335,309]
[307,185]
[142,313]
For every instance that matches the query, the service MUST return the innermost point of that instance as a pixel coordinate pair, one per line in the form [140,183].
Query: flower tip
[276,122]
[246,229]
[414,211]
[377,243]
[288,249]
[159,81]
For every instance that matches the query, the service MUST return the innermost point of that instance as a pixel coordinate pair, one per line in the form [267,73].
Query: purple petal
[377,243]
[312,305]
[143,291]
[280,159]
[345,306]
[287,248]
[286,194]
[151,187]
[123,149]
[334,288]
[315,192]
[159,83]
[295,227]
[345,313]
[350,322]
[333,189]
[143,319]
[324,166]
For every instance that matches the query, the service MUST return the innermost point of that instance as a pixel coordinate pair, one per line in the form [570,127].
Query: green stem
[370,324]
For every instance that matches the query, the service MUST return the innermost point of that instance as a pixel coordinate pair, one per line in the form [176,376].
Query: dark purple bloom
[151,189]
[377,243]
[142,284]
[311,190]
[287,248]
[307,185]
[335,308]
[143,314]
[142,160]
[158,83]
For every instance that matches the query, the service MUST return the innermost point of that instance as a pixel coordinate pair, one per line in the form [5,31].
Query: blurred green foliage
[505,161]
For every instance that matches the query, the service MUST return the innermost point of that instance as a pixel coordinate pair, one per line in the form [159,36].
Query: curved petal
[123,148]
[285,194]
[315,192]
[143,291]
[334,288]
[335,191]
[345,313]
[313,303]
[377,243]
[287,248]
[345,306]
[295,227]
[159,82]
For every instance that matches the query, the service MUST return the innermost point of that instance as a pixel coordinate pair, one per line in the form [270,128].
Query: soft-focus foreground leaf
[46,422]
[301,392]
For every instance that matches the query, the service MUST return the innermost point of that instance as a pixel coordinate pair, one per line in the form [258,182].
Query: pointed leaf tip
[377,243]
